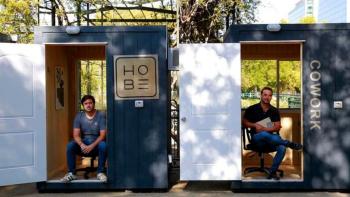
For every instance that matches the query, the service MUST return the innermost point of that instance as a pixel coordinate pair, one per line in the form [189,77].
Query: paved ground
[178,190]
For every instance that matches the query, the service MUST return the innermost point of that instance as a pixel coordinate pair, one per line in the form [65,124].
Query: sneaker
[273,175]
[68,178]
[295,146]
[102,177]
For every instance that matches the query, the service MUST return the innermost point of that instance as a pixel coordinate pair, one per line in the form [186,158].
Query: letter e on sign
[136,77]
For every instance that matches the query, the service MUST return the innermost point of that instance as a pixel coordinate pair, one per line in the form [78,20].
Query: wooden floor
[291,173]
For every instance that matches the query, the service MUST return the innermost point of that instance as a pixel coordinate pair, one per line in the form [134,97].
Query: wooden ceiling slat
[270,51]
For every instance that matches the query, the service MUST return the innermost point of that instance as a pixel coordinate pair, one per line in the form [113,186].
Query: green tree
[17,18]
[257,74]
[290,77]
[103,12]
[205,20]
[93,81]
[134,14]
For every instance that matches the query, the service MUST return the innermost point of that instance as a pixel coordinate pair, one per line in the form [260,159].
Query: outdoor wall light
[72,30]
[273,27]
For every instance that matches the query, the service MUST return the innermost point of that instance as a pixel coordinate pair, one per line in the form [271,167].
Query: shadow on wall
[328,148]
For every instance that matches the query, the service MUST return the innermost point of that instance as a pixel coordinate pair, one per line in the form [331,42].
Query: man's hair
[86,97]
[266,88]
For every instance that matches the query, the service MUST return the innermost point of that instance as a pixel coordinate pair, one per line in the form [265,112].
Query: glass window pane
[93,81]
[257,74]
[290,84]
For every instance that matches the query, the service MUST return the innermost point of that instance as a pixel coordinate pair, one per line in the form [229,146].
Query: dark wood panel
[266,51]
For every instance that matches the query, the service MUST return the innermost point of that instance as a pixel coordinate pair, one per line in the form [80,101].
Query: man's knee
[262,135]
[275,137]
[102,146]
[72,145]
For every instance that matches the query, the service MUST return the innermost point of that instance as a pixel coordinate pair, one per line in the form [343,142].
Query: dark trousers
[275,141]
[73,149]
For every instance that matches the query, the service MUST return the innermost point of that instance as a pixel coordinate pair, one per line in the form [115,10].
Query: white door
[22,114]
[210,112]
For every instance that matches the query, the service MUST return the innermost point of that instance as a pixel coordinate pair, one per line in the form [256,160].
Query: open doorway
[277,65]
[72,71]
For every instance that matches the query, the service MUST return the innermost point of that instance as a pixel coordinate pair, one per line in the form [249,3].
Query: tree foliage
[64,7]
[17,18]
[205,20]
[259,73]
[290,77]
[93,81]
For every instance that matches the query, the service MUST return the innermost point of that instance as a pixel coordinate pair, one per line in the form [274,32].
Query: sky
[272,11]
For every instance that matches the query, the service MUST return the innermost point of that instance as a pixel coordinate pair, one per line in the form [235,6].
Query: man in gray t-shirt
[89,133]
[90,128]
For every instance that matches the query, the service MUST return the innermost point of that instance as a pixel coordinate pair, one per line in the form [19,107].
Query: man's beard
[89,109]
[265,102]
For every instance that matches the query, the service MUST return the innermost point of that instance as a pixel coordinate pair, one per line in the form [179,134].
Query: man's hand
[86,149]
[258,127]
[276,127]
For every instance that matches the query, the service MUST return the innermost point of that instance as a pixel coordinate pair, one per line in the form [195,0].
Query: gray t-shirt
[90,129]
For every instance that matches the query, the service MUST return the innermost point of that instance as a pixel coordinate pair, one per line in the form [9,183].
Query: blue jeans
[73,149]
[264,138]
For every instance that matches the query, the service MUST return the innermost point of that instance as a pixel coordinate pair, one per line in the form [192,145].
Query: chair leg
[262,168]
[91,168]
[281,173]
[259,169]
[256,169]
[86,173]
[88,169]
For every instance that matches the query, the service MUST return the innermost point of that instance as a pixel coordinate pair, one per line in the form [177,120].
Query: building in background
[324,11]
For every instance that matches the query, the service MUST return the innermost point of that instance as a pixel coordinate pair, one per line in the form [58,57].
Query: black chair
[89,169]
[249,145]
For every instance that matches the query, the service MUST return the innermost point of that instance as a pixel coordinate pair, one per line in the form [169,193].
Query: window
[283,77]
[93,81]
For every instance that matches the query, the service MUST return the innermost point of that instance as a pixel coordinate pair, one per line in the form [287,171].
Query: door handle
[183,119]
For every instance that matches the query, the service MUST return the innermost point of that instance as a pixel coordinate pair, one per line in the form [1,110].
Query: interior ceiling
[271,51]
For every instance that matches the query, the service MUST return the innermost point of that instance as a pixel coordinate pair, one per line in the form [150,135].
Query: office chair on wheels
[249,145]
